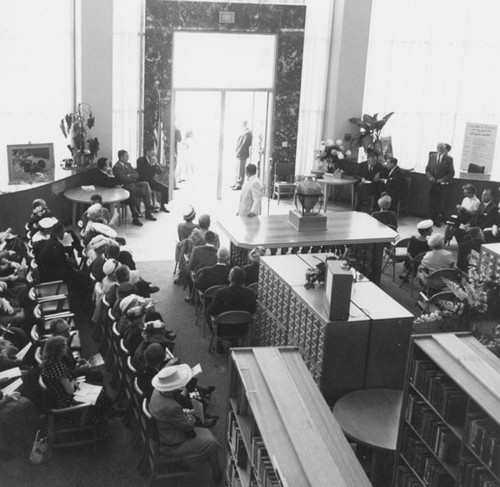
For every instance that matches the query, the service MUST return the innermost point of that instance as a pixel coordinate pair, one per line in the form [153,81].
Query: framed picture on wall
[30,163]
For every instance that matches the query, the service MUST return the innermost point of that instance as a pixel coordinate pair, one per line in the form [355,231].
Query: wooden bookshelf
[449,434]
[280,431]
[367,350]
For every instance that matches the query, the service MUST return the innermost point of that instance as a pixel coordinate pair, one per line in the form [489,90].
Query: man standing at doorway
[439,172]
[243,145]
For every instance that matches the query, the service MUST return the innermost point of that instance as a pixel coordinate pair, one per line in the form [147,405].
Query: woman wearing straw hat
[178,435]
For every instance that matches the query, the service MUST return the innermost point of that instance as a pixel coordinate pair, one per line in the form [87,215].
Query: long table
[343,228]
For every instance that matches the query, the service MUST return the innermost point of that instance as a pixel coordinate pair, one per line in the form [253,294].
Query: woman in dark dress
[61,385]
[417,245]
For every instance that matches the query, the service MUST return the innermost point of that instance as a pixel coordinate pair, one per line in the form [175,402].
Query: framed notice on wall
[479,147]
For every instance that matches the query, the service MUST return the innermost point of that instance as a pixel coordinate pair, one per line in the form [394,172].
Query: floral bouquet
[474,307]
[330,153]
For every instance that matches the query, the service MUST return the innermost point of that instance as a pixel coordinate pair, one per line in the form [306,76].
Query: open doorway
[219,80]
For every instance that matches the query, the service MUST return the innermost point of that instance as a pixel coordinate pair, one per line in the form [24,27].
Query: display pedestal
[302,223]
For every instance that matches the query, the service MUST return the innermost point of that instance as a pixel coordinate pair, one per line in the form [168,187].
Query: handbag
[41,450]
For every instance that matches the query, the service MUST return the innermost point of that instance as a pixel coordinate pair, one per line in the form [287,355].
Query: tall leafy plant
[370,127]
[76,127]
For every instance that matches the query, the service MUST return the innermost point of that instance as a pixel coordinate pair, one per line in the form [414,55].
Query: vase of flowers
[330,153]
[474,308]
[76,127]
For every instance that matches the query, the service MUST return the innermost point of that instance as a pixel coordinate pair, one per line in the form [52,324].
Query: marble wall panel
[163,17]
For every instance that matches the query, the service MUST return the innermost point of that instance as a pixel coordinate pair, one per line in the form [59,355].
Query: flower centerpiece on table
[330,153]
[475,308]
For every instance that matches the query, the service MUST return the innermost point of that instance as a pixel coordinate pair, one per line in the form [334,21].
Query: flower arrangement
[475,308]
[75,127]
[331,152]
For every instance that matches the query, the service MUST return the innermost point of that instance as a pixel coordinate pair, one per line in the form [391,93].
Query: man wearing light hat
[178,435]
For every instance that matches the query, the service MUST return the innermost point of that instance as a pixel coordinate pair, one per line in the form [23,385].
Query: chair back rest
[233,323]
[402,242]
[438,298]
[437,279]
[254,287]
[284,171]
[131,370]
[212,291]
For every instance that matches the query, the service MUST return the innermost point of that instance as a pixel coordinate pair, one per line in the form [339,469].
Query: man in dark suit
[243,145]
[235,297]
[214,275]
[104,175]
[204,255]
[439,172]
[148,170]
[485,217]
[394,181]
[201,256]
[128,177]
[368,174]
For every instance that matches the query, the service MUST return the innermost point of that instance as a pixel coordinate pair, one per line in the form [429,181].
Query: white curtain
[36,82]
[436,64]
[128,32]
[317,42]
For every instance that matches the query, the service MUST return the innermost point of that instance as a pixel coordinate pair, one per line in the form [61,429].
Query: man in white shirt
[251,193]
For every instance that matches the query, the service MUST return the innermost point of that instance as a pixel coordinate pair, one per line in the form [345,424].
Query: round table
[371,417]
[110,196]
[335,182]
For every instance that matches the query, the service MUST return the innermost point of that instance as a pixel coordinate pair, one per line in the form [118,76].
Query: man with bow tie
[439,172]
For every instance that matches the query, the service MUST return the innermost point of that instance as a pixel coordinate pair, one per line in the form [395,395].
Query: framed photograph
[30,163]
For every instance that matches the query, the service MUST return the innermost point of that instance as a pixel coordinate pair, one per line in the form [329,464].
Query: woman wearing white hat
[178,435]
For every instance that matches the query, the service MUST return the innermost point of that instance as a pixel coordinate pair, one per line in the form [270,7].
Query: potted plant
[76,128]
[370,128]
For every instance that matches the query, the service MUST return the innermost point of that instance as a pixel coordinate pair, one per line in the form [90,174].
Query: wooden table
[371,417]
[110,196]
[274,231]
[336,182]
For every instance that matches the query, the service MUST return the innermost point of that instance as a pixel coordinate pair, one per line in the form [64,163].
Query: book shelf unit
[367,350]
[449,435]
[280,431]
[490,259]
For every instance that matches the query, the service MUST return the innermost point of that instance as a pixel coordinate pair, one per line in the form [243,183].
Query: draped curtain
[435,63]
[37,80]
[128,34]
[317,42]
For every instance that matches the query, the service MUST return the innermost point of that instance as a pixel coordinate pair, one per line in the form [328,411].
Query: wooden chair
[254,287]
[230,325]
[283,184]
[51,307]
[434,303]
[46,290]
[137,399]
[396,254]
[67,427]
[206,298]
[130,374]
[414,264]
[160,468]
[436,281]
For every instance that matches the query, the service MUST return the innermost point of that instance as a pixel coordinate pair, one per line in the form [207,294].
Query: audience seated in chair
[214,275]
[252,269]
[484,218]
[466,210]
[178,435]
[386,216]
[185,228]
[368,174]
[153,331]
[417,245]
[393,181]
[437,258]
[235,297]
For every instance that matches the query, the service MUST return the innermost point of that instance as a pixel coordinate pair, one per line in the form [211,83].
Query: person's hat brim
[172,378]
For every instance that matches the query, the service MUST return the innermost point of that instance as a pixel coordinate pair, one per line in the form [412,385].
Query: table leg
[352,196]
[381,468]
[325,196]
[376,262]
[73,221]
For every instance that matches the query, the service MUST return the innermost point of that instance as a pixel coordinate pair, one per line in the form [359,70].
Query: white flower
[322,147]
[348,153]
[339,141]
[329,142]
[340,155]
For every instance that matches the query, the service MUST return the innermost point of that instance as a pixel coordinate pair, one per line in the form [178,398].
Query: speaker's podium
[337,298]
